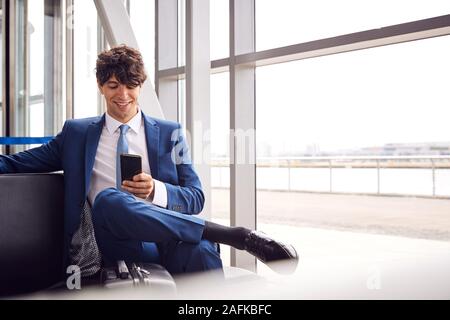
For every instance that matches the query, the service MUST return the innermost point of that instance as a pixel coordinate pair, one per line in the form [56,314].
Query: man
[150,218]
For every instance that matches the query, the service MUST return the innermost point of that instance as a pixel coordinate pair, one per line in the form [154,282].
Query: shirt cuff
[160,196]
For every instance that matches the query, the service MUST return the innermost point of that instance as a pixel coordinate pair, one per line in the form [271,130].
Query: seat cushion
[31,232]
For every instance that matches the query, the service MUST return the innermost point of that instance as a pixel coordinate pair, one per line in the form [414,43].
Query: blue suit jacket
[73,151]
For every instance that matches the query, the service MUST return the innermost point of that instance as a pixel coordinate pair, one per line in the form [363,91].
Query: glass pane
[220,154]
[181,32]
[182,102]
[36,68]
[356,142]
[142,17]
[358,103]
[286,22]
[37,96]
[219,24]
[35,99]
[1,83]
[85,56]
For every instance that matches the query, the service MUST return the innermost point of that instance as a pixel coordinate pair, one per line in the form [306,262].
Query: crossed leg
[131,230]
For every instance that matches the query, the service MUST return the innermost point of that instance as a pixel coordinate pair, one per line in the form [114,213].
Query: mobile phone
[130,165]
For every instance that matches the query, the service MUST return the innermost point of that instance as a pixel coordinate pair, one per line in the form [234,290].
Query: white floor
[333,265]
[351,265]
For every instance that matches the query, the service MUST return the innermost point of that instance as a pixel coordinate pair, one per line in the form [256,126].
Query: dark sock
[232,236]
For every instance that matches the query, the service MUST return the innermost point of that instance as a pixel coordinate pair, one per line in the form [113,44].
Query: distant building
[408,149]
[390,149]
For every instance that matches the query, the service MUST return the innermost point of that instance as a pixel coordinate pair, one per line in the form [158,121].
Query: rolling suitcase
[141,275]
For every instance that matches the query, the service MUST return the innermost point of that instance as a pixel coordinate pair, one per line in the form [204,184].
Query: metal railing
[332,164]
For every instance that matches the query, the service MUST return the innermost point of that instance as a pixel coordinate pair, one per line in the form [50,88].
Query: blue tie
[122,147]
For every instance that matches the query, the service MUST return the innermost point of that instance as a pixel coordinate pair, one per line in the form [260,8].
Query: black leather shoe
[280,257]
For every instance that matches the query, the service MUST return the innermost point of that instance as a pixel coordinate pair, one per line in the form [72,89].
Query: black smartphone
[130,165]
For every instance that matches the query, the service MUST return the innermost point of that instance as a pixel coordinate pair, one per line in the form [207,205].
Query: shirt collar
[112,124]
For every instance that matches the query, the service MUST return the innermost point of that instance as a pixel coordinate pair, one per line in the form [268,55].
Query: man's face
[121,101]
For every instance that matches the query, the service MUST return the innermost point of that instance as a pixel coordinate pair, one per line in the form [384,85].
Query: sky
[391,94]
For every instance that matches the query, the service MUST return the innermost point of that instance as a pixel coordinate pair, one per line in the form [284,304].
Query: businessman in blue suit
[151,217]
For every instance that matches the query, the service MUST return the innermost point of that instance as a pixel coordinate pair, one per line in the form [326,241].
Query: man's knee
[104,197]
[104,201]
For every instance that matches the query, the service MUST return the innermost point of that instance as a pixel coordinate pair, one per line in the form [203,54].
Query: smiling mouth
[122,104]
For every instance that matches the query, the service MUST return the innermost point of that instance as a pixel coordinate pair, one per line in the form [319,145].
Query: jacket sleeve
[46,158]
[187,197]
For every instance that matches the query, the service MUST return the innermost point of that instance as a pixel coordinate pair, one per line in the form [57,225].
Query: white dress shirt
[104,171]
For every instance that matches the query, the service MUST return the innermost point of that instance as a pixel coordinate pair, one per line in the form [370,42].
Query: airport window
[293,21]
[35,98]
[340,123]
[357,141]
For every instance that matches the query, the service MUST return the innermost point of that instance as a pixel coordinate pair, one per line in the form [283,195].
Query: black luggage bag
[140,275]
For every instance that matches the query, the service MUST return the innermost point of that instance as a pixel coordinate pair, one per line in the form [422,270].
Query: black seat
[31,232]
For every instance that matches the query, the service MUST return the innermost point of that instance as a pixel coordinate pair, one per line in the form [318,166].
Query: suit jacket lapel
[152,138]
[92,138]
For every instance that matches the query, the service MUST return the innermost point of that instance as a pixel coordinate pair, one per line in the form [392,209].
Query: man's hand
[142,186]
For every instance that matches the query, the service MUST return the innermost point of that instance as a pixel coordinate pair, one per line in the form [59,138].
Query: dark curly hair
[123,62]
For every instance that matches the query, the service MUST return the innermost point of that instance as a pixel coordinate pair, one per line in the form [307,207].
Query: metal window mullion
[23,110]
[102,45]
[242,119]
[127,6]
[198,112]
[167,56]
[50,60]
[410,31]
[6,71]
[68,72]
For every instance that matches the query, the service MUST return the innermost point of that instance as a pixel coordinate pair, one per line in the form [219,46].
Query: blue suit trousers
[134,231]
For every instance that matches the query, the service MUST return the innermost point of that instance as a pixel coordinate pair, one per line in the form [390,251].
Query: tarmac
[412,217]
